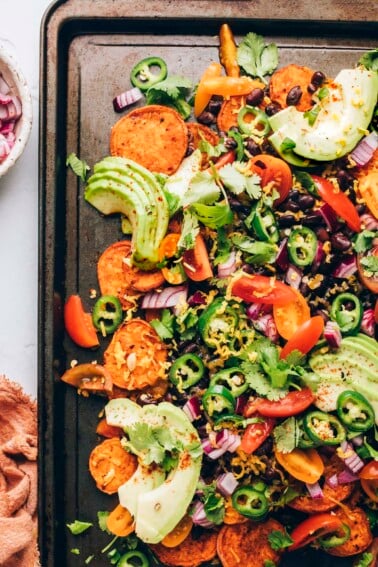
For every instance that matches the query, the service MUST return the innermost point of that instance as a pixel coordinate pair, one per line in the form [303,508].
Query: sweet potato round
[154,136]
[360,533]
[196,548]
[111,465]
[284,79]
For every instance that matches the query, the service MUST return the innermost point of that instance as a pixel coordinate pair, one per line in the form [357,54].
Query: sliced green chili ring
[107,314]
[302,245]
[335,539]
[217,323]
[324,428]
[231,378]
[304,441]
[186,371]
[133,558]
[144,74]
[250,502]
[258,126]
[263,223]
[346,310]
[355,411]
[218,400]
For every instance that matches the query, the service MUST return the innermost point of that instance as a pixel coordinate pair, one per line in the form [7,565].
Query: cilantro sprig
[255,57]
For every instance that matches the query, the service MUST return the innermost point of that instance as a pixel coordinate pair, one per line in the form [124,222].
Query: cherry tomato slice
[93,378]
[338,201]
[305,337]
[255,434]
[368,188]
[312,528]
[293,403]
[202,97]
[108,431]
[262,289]
[369,480]
[275,171]
[288,318]
[173,274]
[369,281]
[196,261]
[303,464]
[179,533]
[78,323]
[224,159]
[120,522]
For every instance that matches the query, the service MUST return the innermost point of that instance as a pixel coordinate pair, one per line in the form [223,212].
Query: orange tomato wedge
[202,97]
[291,316]
[368,188]
[167,249]
[179,533]
[120,522]
[230,86]
[303,464]
[305,337]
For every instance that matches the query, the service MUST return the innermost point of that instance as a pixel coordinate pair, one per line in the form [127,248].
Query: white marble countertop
[20,29]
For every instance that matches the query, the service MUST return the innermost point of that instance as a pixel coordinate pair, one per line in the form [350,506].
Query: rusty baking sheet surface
[87,51]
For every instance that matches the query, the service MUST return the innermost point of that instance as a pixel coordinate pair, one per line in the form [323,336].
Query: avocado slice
[344,114]
[143,480]
[122,412]
[120,185]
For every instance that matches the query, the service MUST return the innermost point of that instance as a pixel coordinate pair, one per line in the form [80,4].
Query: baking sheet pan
[87,50]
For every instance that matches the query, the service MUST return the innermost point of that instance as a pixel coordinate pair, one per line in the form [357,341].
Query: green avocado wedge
[120,185]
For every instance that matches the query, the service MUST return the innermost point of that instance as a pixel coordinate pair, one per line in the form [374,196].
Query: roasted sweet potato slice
[136,356]
[247,545]
[331,496]
[286,78]
[154,136]
[197,548]
[360,533]
[228,114]
[106,430]
[111,465]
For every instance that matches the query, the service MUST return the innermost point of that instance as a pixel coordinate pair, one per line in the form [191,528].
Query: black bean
[318,78]
[252,147]
[255,97]
[361,209]
[265,447]
[322,234]
[230,143]
[304,289]
[311,88]
[294,95]
[292,206]
[269,474]
[272,108]
[190,149]
[312,219]
[294,194]
[206,118]
[340,242]
[344,178]
[286,220]
[214,106]
[306,202]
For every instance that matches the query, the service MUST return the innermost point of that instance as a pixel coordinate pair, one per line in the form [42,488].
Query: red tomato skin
[196,261]
[292,404]
[224,159]
[255,435]
[370,471]
[305,337]
[312,528]
[274,170]
[338,201]
[78,323]
[262,289]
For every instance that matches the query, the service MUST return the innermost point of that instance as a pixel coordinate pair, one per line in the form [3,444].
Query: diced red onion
[329,217]
[227,484]
[199,516]
[364,151]
[368,322]
[253,311]
[346,476]
[241,402]
[346,268]
[319,256]
[351,459]
[369,222]
[314,490]
[266,325]
[127,98]
[332,334]
[293,276]
[333,481]
[227,268]
[198,298]
[192,408]
[168,297]
[282,258]
[225,441]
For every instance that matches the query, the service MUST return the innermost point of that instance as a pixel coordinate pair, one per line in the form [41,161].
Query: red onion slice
[314,490]
[227,268]
[332,334]
[329,217]
[350,457]
[227,484]
[364,151]
[346,268]
[319,256]
[199,516]
[369,222]
[282,258]
[293,276]
[168,297]
[368,323]
[127,98]
[267,326]
[333,481]
[192,408]
[346,476]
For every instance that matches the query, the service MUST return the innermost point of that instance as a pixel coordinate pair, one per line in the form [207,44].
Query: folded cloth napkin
[18,477]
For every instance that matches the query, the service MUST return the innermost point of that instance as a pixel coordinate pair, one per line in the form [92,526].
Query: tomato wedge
[275,171]
[174,273]
[262,289]
[305,337]
[120,522]
[314,527]
[303,464]
[368,188]
[179,533]
[196,261]
[224,159]
[92,378]
[293,403]
[288,318]
[255,434]
[369,480]
[338,201]
[230,86]
[202,97]
[78,323]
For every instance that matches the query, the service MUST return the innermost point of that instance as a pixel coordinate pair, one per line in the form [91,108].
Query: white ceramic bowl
[12,74]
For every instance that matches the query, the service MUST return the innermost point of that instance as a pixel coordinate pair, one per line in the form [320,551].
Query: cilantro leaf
[164,325]
[256,58]
[213,216]
[213,504]
[78,166]
[102,516]
[233,178]
[223,247]
[370,60]
[287,496]
[279,540]
[259,252]
[189,230]
[364,240]
[202,189]
[370,264]
[286,435]
[78,527]
[260,383]
[171,91]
